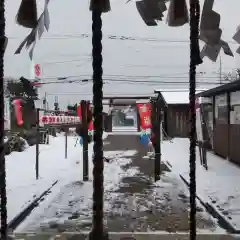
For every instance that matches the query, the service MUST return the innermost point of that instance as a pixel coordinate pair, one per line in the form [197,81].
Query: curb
[126,236]
[19,218]
[222,221]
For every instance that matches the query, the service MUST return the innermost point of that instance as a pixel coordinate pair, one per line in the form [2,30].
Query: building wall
[176,122]
[226,136]
[234,128]
[221,126]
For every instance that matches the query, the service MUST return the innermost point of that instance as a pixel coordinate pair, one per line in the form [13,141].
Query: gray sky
[63,51]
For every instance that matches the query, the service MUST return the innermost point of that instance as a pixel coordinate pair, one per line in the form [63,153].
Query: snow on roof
[143,101]
[176,96]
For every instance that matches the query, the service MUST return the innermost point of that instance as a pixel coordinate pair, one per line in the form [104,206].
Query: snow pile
[219,186]
[26,145]
[113,172]
[21,176]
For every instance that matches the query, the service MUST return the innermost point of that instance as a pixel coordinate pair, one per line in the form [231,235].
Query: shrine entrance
[123,114]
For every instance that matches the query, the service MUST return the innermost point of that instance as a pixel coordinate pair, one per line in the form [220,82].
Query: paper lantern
[18,111]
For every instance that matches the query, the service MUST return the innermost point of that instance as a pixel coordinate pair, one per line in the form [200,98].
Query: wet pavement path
[142,205]
[139,204]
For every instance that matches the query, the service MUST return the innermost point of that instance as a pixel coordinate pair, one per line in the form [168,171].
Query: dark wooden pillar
[165,122]
[155,115]
[84,108]
[228,124]
[110,116]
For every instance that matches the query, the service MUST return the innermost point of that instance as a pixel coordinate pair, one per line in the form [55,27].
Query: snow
[176,97]
[70,180]
[20,170]
[219,186]
[123,129]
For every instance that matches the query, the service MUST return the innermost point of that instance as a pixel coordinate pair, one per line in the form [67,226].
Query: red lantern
[18,111]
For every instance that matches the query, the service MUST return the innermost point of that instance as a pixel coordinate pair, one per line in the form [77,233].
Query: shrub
[14,143]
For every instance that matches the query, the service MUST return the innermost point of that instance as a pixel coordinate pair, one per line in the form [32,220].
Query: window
[235,107]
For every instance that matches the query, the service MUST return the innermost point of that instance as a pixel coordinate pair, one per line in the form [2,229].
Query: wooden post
[156,133]
[85,139]
[138,118]
[228,125]
[37,144]
[158,141]
[66,143]
[204,155]
[214,121]
[47,132]
[200,151]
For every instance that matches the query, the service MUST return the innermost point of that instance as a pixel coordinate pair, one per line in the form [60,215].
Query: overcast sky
[65,52]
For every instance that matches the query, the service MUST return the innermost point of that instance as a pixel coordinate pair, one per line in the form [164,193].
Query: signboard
[37,70]
[35,74]
[58,120]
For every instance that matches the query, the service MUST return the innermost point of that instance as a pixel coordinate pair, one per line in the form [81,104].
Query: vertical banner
[90,125]
[79,113]
[144,111]
[35,74]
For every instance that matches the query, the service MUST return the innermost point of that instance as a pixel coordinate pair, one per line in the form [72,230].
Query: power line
[67,61]
[121,93]
[114,37]
[126,81]
[161,80]
[111,77]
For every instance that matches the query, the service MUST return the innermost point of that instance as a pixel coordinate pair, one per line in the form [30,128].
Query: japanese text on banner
[145,115]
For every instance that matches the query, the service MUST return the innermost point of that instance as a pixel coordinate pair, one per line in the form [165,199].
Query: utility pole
[45,102]
[56,104]
[220,69]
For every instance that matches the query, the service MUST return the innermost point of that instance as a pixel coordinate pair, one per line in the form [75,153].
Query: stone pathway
[139,204]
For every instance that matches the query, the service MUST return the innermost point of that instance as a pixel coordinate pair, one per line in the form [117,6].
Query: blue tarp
[80,141]
[144,139]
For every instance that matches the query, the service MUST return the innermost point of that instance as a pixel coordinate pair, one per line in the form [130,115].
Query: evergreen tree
[24,90]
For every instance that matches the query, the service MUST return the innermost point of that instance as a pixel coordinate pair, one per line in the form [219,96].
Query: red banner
[79,113]
[144,110]
[90,126]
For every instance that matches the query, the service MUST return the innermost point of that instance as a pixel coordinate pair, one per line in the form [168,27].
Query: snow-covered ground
[130,198]
[22,186]
[218,186]
[59,206]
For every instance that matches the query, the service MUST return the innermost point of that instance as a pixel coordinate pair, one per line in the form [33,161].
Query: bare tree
[232,76]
